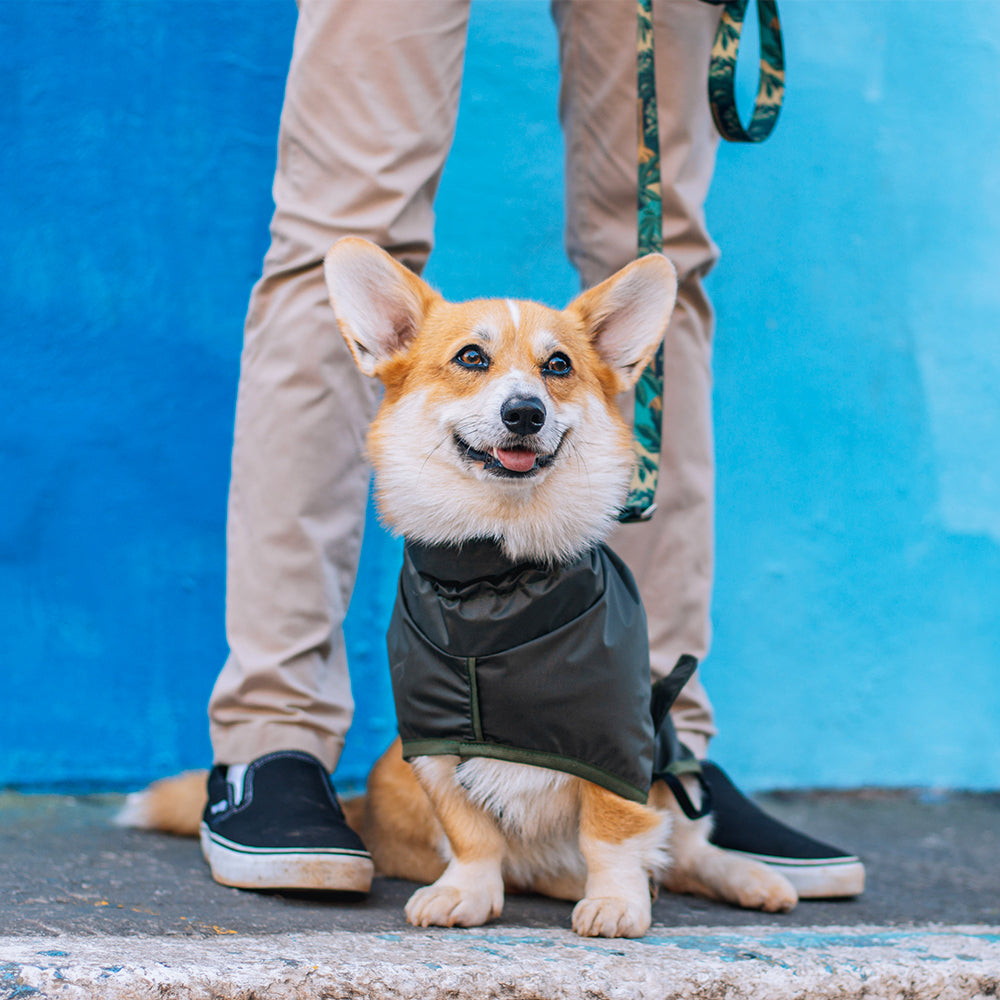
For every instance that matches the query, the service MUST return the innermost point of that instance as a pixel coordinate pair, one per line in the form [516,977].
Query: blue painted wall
[857,377]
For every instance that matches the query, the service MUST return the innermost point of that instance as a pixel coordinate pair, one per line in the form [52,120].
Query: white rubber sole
[823,878]
[324,869]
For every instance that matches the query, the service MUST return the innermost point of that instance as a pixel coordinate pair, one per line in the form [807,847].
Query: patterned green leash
[648,431]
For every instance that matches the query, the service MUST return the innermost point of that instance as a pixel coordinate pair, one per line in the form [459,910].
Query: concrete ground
[90,910]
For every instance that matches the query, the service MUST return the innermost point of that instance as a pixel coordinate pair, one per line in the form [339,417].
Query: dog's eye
[558,364]
[472,357]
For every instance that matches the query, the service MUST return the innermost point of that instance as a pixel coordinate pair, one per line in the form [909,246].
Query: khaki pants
[369,114]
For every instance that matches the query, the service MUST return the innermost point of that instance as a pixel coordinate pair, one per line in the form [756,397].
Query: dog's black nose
[523,414]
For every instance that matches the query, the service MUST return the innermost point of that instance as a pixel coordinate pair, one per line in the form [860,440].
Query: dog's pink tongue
[517,460]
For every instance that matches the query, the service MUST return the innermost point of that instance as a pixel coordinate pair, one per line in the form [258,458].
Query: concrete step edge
[946,963]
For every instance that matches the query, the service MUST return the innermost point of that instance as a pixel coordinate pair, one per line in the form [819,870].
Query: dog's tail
[175,805]
[171,805]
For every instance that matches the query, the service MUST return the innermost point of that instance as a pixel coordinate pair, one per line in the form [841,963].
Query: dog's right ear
[379,304]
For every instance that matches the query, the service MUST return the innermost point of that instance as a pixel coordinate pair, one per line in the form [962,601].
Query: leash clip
[634,515]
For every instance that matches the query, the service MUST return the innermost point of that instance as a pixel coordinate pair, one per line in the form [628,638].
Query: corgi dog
[500,432]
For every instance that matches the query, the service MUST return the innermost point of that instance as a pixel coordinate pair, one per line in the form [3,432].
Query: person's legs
[672,555]
[369,115]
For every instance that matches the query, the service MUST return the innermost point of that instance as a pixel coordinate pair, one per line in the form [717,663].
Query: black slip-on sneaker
[276,824]
[815,869]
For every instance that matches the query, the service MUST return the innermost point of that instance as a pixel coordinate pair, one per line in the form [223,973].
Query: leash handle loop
[722,73]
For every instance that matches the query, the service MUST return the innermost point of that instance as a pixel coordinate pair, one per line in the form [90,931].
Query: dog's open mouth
[509,462]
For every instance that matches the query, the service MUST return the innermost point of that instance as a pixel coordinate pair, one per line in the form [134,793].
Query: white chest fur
[528,802]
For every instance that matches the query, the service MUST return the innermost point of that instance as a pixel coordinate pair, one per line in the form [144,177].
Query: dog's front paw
[449,906]
[611,916]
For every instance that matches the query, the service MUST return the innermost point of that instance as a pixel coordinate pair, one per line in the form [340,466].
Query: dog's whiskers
[436,448]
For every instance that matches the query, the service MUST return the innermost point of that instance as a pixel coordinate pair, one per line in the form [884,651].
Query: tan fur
[475,828]
[606,817]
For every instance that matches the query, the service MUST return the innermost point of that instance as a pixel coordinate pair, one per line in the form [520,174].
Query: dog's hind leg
[470,891]
[702,869]
[622,843]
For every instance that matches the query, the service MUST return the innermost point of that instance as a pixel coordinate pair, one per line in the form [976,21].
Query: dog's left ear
[379,304]
[627,314]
